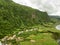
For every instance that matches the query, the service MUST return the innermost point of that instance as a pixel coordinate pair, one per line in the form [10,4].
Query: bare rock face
[19,39]
[33,41]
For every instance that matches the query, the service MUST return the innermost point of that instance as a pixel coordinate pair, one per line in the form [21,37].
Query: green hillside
[22,25]
[14,16]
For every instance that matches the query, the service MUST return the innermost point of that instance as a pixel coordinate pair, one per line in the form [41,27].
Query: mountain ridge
[13,16]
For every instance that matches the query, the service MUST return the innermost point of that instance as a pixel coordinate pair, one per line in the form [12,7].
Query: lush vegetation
[14,16]
[36,26]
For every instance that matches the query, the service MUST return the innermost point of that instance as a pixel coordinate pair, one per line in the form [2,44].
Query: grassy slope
[14,16]
[41,39]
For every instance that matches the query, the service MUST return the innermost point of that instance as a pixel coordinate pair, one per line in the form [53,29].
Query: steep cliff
[14,16]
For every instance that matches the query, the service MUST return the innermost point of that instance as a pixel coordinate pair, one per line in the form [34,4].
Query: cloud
[52,7]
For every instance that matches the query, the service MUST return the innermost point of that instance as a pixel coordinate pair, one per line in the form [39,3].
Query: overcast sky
[52,7]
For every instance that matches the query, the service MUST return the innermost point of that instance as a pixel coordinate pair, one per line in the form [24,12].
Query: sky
[52,7]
